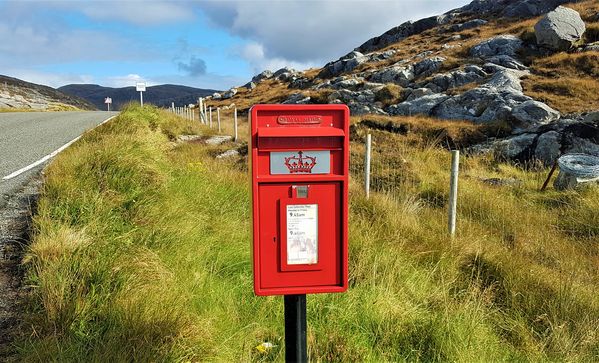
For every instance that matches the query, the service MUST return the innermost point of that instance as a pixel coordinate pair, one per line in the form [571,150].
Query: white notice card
[302,234]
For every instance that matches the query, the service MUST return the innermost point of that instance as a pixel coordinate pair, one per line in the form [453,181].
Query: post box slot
[299,131]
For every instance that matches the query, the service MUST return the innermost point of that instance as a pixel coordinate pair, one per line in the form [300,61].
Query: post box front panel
[280,267]
[299,165]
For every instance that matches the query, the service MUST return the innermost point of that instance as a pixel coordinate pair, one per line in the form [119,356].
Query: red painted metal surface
[301,140]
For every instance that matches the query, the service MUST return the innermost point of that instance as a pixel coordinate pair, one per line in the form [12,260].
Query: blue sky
[206,44]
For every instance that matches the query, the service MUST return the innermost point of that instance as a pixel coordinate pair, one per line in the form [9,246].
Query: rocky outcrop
[560,29]
[534,112]
[344,64]
[399,73]
[262,76]
[401,32]
[497,46]
[512,8]
[230,93]
[474,23]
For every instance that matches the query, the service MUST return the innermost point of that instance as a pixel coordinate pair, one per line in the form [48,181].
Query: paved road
[26,137]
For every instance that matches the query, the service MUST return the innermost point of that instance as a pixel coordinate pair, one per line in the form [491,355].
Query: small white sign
[302,234]
[140,86]
[108,100]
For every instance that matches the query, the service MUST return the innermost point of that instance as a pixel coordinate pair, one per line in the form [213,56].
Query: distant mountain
[18,95]
[162,95]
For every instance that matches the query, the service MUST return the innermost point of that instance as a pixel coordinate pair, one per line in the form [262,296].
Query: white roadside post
[108,102]
[210,116]
[367,165]
[205,114]
[453,190]
[141,88]
[235,123]
[218,118]
[173,107]
[201,104]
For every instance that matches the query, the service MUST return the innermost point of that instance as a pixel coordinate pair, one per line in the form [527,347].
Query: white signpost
[108,102]
[141,88]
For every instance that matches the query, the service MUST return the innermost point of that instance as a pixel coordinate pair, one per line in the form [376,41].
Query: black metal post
[296,349]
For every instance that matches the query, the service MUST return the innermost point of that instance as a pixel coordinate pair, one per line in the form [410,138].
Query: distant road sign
[108,100]
[140,86]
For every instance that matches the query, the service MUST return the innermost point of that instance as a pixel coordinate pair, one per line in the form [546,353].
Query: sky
[204,44]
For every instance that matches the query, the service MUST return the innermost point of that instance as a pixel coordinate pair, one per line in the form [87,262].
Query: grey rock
[512,8]
[565,181]
[301,83]
[514,146]
[188,138]
[445,81]
[283,71]
[230,93]
[297,98]
[402,31]
[534,112]
[475,23]
[428,66]
[560,29]
[548,147]
[418,93]
[398,74]
[531,8]
[575,144]
[345,64]
[350,83]
[380,56]
[592,47]
[216,96]
[507,62]
[359,108]
[262,76]
[250,85]
[228,154]
[591,117]
[419,106]
[285,74]
[506,78]
[347,96]
[219,139]
[499,45]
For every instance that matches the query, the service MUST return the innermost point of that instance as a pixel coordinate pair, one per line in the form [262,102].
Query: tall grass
[142,253]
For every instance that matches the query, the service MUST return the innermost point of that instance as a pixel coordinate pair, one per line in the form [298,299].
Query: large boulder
[535,113]
[499,45]
[560,29]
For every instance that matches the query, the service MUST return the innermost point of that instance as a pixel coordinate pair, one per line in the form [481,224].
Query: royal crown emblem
[300,163]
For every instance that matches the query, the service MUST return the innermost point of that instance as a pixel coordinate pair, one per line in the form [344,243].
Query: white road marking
[49,156]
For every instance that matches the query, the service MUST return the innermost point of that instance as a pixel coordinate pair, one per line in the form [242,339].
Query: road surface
[27,137]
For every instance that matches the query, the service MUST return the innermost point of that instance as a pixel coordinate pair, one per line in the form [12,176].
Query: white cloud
[254,54]
[54,80]
[128,80]
[318,31]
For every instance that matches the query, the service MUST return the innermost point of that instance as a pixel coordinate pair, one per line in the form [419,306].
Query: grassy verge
[142,253]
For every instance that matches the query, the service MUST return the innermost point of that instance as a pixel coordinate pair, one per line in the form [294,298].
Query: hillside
[17,95]
[530,95]
[162,95]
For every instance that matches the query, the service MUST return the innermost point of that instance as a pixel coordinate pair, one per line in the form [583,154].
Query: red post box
[299,162]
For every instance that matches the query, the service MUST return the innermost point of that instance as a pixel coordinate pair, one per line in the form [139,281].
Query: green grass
[142,253]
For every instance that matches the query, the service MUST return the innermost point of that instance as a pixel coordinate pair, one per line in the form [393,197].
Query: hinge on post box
[300,191]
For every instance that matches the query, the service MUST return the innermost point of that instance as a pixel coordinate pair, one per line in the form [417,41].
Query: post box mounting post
[296,348]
